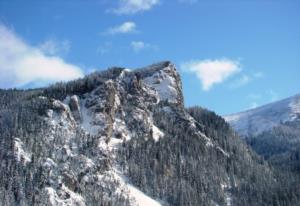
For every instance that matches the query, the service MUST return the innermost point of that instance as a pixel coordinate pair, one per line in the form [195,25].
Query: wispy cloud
[137,46]
[105,48]
[254,96]
[264,98]
[245,79]
[126,27]
[134,6]
[211,72]
[22,64]
[55,47]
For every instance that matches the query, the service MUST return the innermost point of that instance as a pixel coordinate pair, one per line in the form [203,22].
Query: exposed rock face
[75,107]
[117,138]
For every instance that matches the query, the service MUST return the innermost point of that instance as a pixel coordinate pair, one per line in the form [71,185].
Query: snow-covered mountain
[264,118]
[122,137]
[273,131]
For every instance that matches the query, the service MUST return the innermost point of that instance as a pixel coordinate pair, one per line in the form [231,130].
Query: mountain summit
[122,137]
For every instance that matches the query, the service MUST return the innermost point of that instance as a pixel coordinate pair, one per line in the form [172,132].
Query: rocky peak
[165,79]
[116,137]
[161,80]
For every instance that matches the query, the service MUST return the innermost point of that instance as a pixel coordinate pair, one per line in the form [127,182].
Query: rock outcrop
[121,138]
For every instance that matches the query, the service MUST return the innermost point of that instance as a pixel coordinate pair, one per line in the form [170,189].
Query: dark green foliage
[280,146]
[81,86]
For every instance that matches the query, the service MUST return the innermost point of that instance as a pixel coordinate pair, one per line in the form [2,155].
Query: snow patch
[295,109]
[157,133]
[88,119]
[74,199]
[120,128]
[141,199]
[164,84]
[208,143]
[49,164]
[19,151]
[193,122]
[120,133]
[221,150]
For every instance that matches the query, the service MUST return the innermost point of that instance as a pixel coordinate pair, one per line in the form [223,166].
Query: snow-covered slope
[120,138]
[258,120]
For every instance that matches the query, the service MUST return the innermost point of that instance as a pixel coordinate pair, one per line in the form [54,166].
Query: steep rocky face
[64,146]
[122,137]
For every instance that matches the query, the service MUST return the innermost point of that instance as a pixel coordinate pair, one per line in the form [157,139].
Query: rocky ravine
[120,137]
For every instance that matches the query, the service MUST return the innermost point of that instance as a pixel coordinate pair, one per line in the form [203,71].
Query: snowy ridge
[258,120]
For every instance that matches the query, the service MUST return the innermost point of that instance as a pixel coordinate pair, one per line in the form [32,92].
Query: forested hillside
[121,137]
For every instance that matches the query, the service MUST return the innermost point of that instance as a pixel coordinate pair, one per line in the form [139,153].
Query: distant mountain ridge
[273,131]
[255,121]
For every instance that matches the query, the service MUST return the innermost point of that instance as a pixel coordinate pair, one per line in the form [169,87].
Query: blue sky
[232,54]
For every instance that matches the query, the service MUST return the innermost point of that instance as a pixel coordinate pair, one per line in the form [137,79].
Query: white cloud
[134,6]
[54,47]
[22,64]
[126,27]
[211,72]
[140,45]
